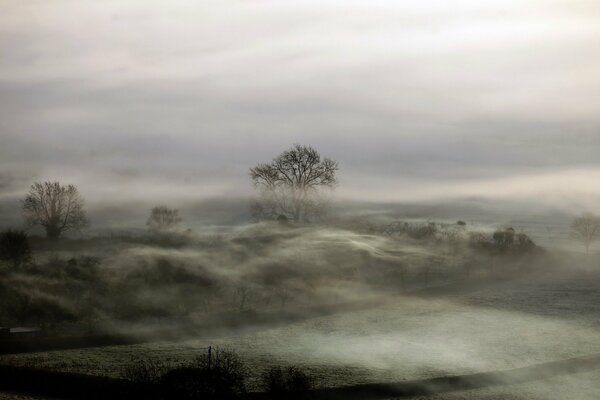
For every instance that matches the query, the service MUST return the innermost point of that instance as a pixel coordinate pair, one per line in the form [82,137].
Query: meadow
[471,312]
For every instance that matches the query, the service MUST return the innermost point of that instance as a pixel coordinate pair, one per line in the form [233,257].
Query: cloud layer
[414,99]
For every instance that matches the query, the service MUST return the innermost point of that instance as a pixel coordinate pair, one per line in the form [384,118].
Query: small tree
[55,207]
[14,247]
[163,219]
[290,184]
[587,229]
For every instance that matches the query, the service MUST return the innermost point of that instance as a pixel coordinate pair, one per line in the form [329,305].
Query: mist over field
[300,200]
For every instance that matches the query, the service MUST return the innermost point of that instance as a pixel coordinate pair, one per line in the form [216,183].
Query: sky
[417,100]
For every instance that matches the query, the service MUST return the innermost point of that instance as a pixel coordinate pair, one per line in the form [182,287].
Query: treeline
[499,241]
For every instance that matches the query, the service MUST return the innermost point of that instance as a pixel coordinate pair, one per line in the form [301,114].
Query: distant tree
[14,247]
[587,229]
[243,292]
[290,185]
[283,294]
[55,207]
[163,218]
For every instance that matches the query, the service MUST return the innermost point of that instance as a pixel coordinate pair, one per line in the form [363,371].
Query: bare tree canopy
[55,207]
[587,229]
[163,219]
[290,184]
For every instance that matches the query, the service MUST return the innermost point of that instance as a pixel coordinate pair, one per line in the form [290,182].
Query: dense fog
[299,200]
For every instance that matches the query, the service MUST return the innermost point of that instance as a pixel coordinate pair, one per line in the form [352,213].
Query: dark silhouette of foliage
[218,375]
[287,383]
[163,219]
[504,239]
[145,372]
[14,247]
[282,219]
[55,207]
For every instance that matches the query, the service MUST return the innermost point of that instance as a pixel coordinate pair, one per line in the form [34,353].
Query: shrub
[220,375]
[14,247]
[201,383]
[286,383]
[282,219]
[419,231]
[502,241]
[145,372]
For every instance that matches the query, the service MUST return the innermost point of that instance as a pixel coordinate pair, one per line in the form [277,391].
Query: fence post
[209,356]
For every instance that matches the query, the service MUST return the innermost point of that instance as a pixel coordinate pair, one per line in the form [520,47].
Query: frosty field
[502,326]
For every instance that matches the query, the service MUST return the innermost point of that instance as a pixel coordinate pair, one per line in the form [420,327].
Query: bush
[201,383]
[14,247]
[282,219]
[287,383]
[145,372]
[502,241]
[419,231]
[217,375]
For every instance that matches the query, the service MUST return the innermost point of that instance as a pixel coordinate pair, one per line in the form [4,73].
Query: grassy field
[507,313]
[502,326]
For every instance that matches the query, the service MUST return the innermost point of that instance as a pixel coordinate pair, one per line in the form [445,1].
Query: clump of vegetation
[418,231]
[287,383]
[502,241]
[163,219]
[283,220]
[220,374]
[14,248]
[145,372]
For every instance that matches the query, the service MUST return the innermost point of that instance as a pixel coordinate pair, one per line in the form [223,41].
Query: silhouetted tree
[55,207]
[163,218]
[290,184]
[587,229]
[14,247]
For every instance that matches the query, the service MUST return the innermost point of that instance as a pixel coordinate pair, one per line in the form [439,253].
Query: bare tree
[163,218]
[243,291]
[290,185]
[55,207]
[587,229]
[283,293]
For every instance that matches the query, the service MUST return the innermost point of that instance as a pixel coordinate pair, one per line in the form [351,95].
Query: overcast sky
[417,100]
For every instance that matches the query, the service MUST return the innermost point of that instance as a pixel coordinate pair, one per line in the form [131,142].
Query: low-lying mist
[355,301]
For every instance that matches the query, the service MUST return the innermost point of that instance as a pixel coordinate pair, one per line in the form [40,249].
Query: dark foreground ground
[62,385]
